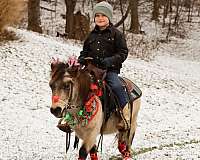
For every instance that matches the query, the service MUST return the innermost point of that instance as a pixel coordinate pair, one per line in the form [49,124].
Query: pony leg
[82,153]
[93,153]
[123,149]
[87,147]
[136,107]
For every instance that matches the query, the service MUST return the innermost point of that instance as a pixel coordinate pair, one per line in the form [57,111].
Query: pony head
[69,85]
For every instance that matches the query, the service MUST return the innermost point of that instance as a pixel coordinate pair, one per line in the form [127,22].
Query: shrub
[10,12]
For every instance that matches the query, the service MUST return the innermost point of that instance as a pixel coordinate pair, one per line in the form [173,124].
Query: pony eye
[66,86]
[52,86]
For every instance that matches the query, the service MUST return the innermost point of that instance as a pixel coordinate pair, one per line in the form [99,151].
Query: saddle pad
[136,92]
[133,90]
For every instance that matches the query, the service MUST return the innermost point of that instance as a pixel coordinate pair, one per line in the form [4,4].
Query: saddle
[109,98]
[132,89]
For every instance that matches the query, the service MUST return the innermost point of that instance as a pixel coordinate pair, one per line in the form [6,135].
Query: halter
[72,61]
[69,106]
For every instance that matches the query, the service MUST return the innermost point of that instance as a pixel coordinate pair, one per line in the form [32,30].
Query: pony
[76,101]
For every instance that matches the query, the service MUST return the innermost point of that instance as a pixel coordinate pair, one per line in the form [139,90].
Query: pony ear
[54,62]
[73,70]
[73,65]
[73,61]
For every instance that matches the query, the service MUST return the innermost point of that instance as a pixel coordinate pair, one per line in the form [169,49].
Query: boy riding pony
[108,49]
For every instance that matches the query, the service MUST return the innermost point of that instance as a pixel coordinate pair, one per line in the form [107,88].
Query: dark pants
[114,82]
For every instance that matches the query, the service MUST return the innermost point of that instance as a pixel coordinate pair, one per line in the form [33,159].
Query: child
[107,46]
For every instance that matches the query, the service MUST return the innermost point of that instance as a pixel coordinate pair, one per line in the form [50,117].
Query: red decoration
[99,92]
[123,150]
[55,99]
[93,156]
[88,104]
[96,91]
[93,86]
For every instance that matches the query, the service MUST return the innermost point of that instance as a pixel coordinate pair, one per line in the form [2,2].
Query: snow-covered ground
[168,122]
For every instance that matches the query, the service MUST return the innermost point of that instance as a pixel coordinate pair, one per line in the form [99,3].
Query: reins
[68,138]
[68,131]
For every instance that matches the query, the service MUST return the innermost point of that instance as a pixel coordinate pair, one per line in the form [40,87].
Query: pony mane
[83,78]
[58,70]
[84,81]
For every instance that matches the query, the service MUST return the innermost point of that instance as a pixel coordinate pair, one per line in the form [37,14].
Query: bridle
[69,106]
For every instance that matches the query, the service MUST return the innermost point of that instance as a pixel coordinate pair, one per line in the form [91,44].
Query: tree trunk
[134,17]
[170,20]
[177,15]
[70,7]
[191,7]
[165,12]
[34,22]
[155,13]
[122,12]
[81,26]
[189,10]
[198,12]
[123,17]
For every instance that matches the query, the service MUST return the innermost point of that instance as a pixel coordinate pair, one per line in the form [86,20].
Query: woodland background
[163,38]
[73,19]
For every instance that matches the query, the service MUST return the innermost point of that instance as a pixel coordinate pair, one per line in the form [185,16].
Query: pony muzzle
[56,109]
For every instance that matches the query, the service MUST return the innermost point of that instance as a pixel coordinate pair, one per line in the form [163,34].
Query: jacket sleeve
[121,50]
[84,52]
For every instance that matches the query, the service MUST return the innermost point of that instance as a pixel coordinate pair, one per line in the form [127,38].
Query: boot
[124,124]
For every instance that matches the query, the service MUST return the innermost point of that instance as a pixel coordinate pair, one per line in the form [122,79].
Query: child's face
[101,20]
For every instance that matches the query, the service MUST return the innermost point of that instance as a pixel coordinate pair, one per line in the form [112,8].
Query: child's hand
[107,62]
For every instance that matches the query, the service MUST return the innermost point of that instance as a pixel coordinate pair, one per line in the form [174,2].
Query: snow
[168,122]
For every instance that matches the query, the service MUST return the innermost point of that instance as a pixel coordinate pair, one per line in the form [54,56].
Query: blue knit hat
[104,8]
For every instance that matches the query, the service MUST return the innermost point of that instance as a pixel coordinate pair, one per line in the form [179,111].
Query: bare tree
[123,17]
[170,20]
[77,24]
[155,13]
[134,17]
[34,21]
[177,14]
[190,9]
[81,26]
[166,10]
[70,7]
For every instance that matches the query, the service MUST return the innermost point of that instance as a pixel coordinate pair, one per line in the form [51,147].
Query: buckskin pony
[76,101]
